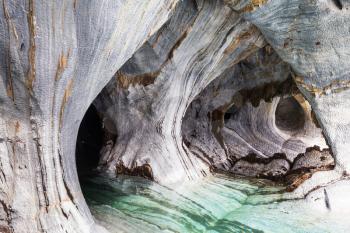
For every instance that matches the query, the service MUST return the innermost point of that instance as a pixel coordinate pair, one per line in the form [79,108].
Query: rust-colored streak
[172,6]
[61,65]
[9,22]
[5,229]
[258,3]
[178,43]
[31,53]
[9,88]
[144,170]
[296,180]
[236,42]
[335,86]
[6,13]
[243,39]
[125,81]
[268,49]
[67,94]
[17,127]
[253,5]
[232,46]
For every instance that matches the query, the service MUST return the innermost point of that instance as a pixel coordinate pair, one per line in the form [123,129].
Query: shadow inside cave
[289,115]
[89,143]
[126,203]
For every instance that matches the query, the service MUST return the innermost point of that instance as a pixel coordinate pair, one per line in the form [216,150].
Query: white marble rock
[154,58]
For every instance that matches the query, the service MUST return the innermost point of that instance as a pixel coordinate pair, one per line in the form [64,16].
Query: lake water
[217,204]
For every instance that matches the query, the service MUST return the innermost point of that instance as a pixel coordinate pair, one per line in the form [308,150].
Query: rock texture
[172,70]
[311,37]
[253,121]
[55,57]
[146,100]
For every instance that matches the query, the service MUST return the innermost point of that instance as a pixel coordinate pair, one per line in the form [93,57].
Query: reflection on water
[215,204]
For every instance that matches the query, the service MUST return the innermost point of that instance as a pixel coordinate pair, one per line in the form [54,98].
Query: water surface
[217,204]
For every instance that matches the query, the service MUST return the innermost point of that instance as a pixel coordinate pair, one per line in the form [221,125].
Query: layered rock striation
[55,57]
[188,86]
[146,100]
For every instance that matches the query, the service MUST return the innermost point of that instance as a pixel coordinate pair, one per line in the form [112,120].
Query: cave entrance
[289,115]
[89,142]
[233,110]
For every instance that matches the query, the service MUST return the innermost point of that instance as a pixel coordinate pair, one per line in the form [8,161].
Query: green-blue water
[215,204]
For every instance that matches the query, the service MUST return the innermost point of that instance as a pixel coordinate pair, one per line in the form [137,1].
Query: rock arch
[56,56]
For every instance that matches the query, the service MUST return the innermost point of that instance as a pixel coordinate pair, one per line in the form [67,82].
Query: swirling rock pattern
[257,127]
[265,129]
[148,114]
[205,117]
[56,57]
[311,37]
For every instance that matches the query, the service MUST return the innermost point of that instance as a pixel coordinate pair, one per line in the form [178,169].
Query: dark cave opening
[289,115]
[89,142]
[230,113]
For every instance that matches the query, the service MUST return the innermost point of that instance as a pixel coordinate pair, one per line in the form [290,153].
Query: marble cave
[175,116]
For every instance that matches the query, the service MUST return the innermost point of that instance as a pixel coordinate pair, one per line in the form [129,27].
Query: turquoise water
[216,204]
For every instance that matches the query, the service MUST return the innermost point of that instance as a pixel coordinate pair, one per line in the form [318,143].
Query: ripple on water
[217,204]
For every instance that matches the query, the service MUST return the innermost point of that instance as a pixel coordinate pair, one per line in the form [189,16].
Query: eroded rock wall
[147,108]
[253,121]
[312,37]
[55,57]
[204,119]
[130,98]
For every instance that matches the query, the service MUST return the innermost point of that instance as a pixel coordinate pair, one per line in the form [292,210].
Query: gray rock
[315,160]
[148,107]
[275,169]
[57,56]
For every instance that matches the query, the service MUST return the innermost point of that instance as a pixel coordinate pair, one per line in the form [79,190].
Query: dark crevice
[89,142]
[268,91]
[254,158]
[326,199]
[144,171]
[230,113]
[289,114]
[293,177]
[338,4]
